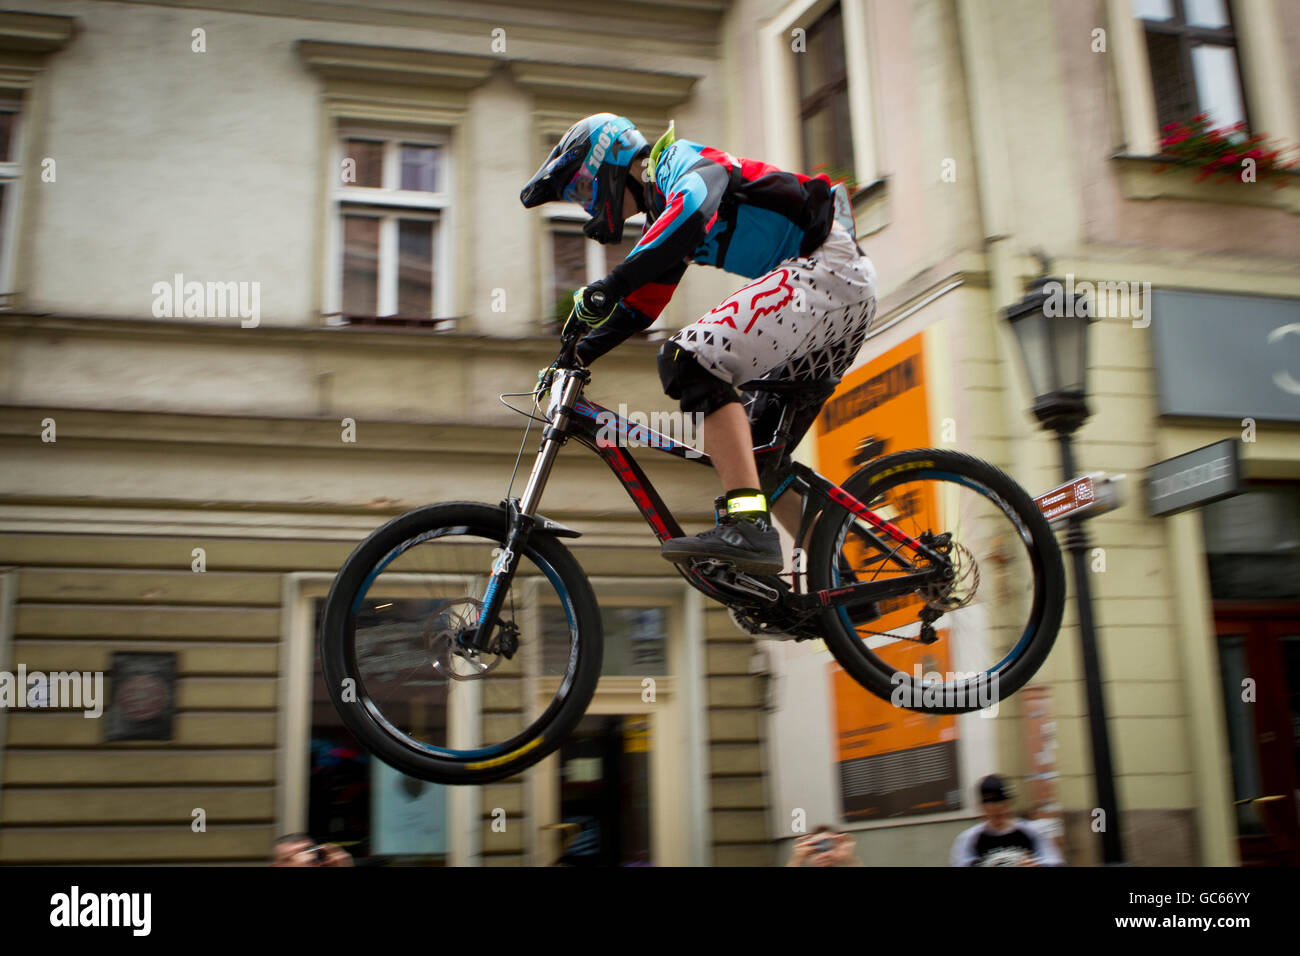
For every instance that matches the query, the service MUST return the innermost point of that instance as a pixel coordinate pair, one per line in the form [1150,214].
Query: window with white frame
[11,172]
[635,640]
[1192,50]
[390,263]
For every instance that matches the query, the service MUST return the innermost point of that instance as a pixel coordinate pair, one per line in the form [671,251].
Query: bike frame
[573,416]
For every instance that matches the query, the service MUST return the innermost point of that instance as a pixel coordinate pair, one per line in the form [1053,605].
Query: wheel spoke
[986,607]
[426,696]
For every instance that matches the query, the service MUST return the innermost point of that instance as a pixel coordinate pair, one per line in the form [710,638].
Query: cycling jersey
[707,206]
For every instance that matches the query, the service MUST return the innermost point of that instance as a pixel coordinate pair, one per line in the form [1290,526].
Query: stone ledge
[646,88]
[1139,179]
[34,32]
[402,65]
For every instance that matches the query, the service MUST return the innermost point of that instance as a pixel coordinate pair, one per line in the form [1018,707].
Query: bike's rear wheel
[1000,614]
[396,668]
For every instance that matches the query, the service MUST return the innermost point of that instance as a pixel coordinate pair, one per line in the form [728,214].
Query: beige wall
[1012,92]
[219,151]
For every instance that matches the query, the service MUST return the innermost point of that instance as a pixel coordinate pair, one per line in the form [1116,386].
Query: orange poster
[892,761]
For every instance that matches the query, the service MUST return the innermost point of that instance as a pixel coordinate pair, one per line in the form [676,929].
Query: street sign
[1196,478]
[1085,497]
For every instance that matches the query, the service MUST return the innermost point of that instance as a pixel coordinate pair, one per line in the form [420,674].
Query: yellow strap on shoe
[747,503]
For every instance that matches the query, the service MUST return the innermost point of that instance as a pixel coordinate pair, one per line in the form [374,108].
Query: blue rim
[495,749]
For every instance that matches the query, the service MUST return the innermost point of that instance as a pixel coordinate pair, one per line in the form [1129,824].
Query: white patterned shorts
[806,319]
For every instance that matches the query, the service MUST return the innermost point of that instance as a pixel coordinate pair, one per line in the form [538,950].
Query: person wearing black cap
[1001,839]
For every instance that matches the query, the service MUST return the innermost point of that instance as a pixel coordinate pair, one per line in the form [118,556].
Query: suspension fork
[521,514]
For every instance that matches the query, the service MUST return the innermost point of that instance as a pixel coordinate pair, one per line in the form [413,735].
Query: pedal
[723,573]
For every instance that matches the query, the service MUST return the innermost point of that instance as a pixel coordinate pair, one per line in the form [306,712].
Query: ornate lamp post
[1052,329]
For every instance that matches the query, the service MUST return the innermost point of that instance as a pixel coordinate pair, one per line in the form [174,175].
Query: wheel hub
[956,586]
[446,634]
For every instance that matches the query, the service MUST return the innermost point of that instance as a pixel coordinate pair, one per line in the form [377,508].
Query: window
[825,123]
[636,640]
[1192,49]
[392,196]
[1252,543]
[10,177]
[576,260]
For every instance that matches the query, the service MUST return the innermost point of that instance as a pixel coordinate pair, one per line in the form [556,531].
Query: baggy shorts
[806,319]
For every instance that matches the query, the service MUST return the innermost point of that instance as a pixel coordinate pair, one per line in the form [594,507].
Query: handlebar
[572,333]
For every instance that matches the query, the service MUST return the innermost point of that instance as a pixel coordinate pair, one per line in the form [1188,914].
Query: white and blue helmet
[590,166]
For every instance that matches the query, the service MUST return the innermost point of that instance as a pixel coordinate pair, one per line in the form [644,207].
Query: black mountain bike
[462,643]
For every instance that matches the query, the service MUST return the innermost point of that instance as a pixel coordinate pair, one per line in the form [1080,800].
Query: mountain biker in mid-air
[804,317]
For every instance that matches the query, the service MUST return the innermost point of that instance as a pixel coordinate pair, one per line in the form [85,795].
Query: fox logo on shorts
[769,294]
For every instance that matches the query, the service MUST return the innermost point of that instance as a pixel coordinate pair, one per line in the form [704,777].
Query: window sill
[1139,179]
[871,207]
[552,329]
[391,322]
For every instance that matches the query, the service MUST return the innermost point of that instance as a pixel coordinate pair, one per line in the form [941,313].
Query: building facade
[184,473]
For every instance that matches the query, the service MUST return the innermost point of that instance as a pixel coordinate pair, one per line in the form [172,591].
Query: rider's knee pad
[686,380]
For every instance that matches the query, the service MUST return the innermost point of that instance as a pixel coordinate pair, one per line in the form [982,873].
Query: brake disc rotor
[960,589]
[454,617]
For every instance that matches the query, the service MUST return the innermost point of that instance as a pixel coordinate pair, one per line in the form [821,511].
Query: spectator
[298,849]
[1001,839]
[825,846]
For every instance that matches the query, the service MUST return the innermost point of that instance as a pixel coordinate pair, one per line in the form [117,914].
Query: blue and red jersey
[707,206]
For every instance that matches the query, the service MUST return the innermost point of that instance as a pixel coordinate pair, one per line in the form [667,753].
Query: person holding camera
[298,849]
[825,846]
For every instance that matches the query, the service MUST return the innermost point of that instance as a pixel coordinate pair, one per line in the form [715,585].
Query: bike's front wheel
[990,624]
[398,665]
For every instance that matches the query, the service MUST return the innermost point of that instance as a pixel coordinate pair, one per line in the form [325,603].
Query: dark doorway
[605,792]
[1252,545]
[1259,660]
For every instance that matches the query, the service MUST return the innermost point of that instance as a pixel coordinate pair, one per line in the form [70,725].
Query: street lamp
[1052,329]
